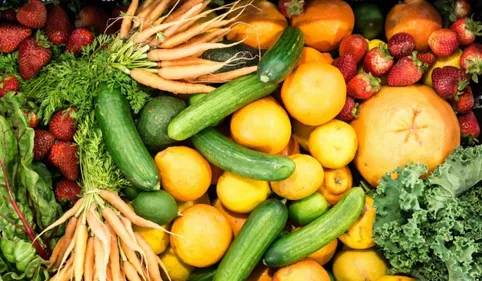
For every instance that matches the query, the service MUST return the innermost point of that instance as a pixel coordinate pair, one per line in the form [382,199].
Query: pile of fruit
[195,140]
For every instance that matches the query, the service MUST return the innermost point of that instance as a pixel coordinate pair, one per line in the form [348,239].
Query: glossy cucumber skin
[230,156]
[202,274]
[123,142]
[282,57]
[312,237]
[218,104]
[261,228]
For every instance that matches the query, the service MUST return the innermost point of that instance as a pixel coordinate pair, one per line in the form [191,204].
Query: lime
[156,206]
[130,193]
[368,20]
[308,209]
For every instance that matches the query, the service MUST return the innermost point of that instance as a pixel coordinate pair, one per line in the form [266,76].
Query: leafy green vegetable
[431,227]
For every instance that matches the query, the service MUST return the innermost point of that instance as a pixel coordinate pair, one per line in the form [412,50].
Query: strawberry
[32,118]
[347,65]
[8,15]
[62,125]
[378,61]
[355,45]
[407,71]
[427,58]
[63,156]
[349,111]
[33,54]
[67,192]
[471,60]
[8,83]
[462,8]
[33,14]
[92,17]
[11,35]
[58,26]
[443,42]
[291,8]
[42,143]
[79,38]
[466,30]
[363,86]
[401,44]
[469,125]
[449,81]
[465,101]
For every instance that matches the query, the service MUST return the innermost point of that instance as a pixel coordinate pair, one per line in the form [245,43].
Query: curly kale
[431,227]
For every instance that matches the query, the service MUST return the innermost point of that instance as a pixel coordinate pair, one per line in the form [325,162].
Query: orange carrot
[119,229]
[189,71]
[207,37]
[184,36]
[71,246]
[108,271]
[68,236]
[56,252]
[225,76]
[185,62]
[99,230]
[183,9]
[163,267]
[80,248]
[64,273]
[132,258]
[152,264]
[99,257]
[114,256]
[130,272]
[145,4]
[193,11]
[182,52]
[89,260]
[143,13]
[158,10]
[128,225]
[155,81]
[127,20]
[64,217]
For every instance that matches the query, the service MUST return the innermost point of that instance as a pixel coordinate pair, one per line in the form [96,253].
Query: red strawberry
[62,125]
[63,156]
[407,71]
[355,45]
[443,42]
[58,26]
[33,14]
[449,81]
[465,101]
[8,15]
[33,121]
[291,8]
[79,38]
[469,126]
[8,83]
[427,58]
[92,17]
[42,143]
[466,30]
[33,54]
[401,44]
[349,111]
[11,34]
[67,192]
[378,61]
[462,8]
[347,65]
[471,60]
[363,86]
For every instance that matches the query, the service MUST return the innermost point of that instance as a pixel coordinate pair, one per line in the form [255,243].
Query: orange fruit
[311,54]
[314,93]
[203,235]
[325,254]
[325,23]
[400,125]
[336,183]
[359,235]
[236,221]
[293,147]
[261,273]
[306,270]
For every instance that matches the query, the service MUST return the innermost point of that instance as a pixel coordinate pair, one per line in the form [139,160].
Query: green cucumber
[220,103]
[261,228]
[281,58]
[314,236]
[122,140]
[230,156]
[308,209]
[245,56]
[203,274]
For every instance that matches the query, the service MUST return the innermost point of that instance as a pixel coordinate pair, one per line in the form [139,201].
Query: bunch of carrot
[177,38]
[100,244]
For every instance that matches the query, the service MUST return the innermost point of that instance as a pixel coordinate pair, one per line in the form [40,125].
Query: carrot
[190,71]
[99,257]
[63,218]
[182,52]
[108,272]
[68,236]
[128,225]
[132,258]
[207,37]
[158,10]
[114,256]
[130,272]
[99,230]
[154,81]
[143,13]
[71,246]
[145,4]
[193,11]
[161,265]
[80,248]
[183,9]
[89,260]
[127,20]
[119,229]
[153,266]
[56,252]
[185,62]
[182,37]
[63,275]
[225,76]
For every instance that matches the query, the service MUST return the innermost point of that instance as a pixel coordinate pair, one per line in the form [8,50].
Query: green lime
[368,20]
[306,210]
[157,206]
[130,193]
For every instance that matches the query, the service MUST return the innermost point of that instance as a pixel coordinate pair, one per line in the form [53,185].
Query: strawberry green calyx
[354,111]
[421,66]
[42,39]
[383,49]
[473,26]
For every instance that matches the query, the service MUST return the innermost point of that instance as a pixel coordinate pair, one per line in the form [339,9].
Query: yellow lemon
[453,60]
[374,43]
[239,194]
[302,133]
[183,205]
[156,238]
[175,267]
[359,235]
[395,278]
[356,265]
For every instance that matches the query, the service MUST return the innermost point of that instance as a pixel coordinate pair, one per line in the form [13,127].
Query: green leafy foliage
[431,227]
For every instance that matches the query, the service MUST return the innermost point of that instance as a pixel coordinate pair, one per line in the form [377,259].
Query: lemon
[302,133]
[374,43]
[176,268]
[355,265]
[453,60]
[156,238]
[183,205]
[239,194]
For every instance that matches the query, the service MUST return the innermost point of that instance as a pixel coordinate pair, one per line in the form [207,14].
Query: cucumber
[306,210]
[217,105]
[203,274]
[198,97]
[281,58]
[309,239]
[230,156]
[245,56]
[261,228]
[122,140]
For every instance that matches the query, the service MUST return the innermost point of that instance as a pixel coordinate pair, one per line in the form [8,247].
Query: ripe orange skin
[335,184]
[307,270]
[310,54]
[236,221]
